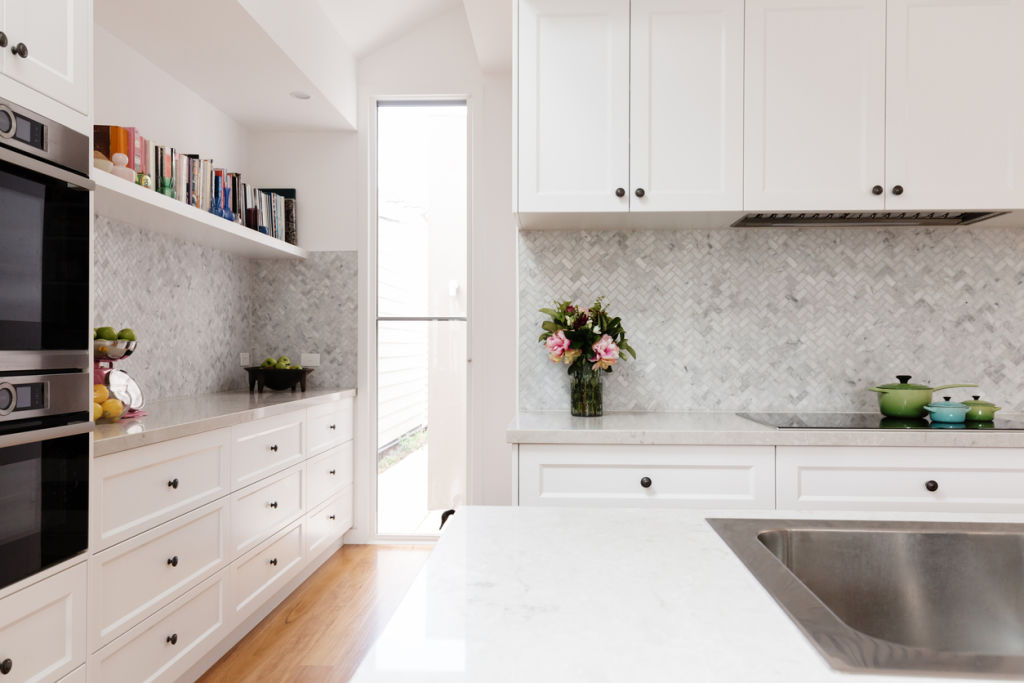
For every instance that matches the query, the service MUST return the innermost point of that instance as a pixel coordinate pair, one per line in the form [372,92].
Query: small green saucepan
[907,400]
[981,411]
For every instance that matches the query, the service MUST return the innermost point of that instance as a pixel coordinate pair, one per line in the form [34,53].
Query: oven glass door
[44,501]
[44,262]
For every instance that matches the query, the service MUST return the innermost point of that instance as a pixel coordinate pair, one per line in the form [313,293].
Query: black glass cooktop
[868,421]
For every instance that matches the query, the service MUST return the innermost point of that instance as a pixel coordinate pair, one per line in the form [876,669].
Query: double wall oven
[45,374]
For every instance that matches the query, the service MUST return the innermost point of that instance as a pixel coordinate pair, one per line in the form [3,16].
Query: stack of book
[195,181]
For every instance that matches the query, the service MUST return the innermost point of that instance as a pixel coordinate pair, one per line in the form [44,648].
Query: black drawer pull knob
[21,50]
[639,192]
[173,483]
[333,427]
[620,192]
[273,504]
[877,189]
[931,485]
[274,562]
[646,482]
[6,666]
[333,472]
[3,43]
[897,189]
[173,561]
[274,448]
[330,516]
[173,639]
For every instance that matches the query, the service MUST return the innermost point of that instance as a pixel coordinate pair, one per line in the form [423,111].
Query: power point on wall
[244,359]
[310,360]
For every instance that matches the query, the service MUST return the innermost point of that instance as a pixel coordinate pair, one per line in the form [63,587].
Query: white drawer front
[260,510]
[257,575]
[267,446]
[328,473]
[846,478]
[42,627]
[162,647]
[329,522]
[138,489]
[330,424]
[137,577]
[76,676]
[678,476]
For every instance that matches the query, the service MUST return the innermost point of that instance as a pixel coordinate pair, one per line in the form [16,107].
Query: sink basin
[896,597]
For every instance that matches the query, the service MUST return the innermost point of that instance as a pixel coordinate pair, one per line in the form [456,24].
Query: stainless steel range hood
[864,218]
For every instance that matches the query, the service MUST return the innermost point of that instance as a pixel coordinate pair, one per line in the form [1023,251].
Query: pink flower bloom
[556,345]
[606,352]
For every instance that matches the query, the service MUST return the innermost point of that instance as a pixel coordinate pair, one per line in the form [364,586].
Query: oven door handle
[49,170]
[37,435]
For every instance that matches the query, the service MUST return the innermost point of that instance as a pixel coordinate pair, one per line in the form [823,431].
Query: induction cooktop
[869,421]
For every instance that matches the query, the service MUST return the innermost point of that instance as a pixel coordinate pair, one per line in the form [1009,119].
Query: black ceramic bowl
[277,380]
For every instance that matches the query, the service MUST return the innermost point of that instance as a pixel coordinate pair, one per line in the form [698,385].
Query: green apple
[285,359]
[268,363]
[296,367]
[128,334]
[107,333]
[281,365]
[95,333]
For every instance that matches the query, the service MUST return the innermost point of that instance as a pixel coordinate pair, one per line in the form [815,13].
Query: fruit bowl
[107,350]
[277,380]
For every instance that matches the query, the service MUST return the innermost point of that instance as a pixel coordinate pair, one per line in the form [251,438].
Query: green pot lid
[904,384]
[946,403]
[980,403]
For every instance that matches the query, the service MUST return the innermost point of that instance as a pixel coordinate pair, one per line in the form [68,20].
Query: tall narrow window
[421,313]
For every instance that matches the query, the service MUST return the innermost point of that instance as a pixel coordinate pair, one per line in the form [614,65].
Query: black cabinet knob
[20,50]
[273,504]
[173,483]
[3,43]
[274,561]
[173,639]
[877,189]
[332,472]
[7,664]
[931,485]
[274,448]
[897,189]
[639,192]
[620,192]
[646,482]
[330,516]
[333,427]
[173,561]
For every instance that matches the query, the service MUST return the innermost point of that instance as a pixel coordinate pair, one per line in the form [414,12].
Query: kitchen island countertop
[725,428]
[587,594]
[179,417]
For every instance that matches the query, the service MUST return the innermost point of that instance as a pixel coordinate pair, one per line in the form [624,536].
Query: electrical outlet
[310,360]
[244,359]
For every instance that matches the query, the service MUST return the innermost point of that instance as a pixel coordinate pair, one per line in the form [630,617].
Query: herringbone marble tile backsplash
[195,309]
[783,319]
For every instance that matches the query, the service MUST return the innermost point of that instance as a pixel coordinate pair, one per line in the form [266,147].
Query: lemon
[112,408]
[99,393]
[97,411]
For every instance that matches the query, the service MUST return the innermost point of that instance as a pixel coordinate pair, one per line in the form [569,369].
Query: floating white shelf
[147,209]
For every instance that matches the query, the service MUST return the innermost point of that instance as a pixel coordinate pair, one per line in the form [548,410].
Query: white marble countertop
[178,417]
[584,594]
[721,428]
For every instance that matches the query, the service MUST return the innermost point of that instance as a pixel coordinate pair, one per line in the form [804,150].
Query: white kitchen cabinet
[266,446]
[42,627]
[954,138]
[647,476]
[686,105]
[329,522]
[262,509]
[57,39]
[328,473]
[257,575]
[330,424]
[920,479]
[573,105]
[815,105]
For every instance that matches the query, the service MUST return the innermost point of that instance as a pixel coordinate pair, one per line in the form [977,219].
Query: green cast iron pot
[981,411]
[905,399]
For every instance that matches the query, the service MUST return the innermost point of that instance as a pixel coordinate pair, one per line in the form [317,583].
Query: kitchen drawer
[330,424]
[266,446]
[165,645]
[849,478]
[138,489]
[135,578]
[678,476]
[76,676]
[328,473]
[260,510]
[329,522]
[256,576]
[42,627]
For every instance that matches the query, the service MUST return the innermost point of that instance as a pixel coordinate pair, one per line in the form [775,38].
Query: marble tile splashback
[195,309]
[783,319]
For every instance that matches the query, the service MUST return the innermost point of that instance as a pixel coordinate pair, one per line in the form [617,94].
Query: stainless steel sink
[896,597]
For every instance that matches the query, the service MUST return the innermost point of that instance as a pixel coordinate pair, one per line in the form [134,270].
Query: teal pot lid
[947,403]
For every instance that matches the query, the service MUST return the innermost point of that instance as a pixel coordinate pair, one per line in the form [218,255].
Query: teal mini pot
[907,400]
[981,411]
[947,411]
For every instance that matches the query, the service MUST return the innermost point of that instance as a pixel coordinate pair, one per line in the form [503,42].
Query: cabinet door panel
[57,35]
[954,104]
[686,105]
[814,105]
[573,105]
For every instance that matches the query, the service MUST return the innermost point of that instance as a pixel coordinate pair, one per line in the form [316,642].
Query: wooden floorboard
[321,631]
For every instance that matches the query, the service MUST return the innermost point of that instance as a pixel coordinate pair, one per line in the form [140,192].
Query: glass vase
[585,391]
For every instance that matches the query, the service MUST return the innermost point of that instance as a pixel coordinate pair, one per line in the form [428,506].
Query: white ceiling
[365,26]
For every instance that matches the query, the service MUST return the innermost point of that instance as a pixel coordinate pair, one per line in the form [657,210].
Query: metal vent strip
[855,218]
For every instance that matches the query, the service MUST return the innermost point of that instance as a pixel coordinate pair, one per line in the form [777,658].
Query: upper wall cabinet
[630,106]
[48,47]
[875,105]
